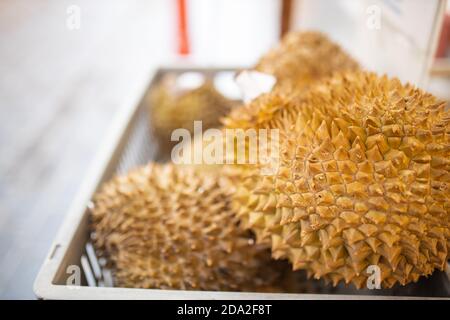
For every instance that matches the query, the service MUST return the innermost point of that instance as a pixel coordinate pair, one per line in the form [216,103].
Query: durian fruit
[171,108]
[169,227]
[363,179]
[302,58]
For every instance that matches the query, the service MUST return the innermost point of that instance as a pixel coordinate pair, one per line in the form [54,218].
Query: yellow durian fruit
[363,179]
[171,109]
[302,58]
[169,227]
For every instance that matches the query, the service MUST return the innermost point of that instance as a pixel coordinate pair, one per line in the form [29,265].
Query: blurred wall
[232,31]
[396,37]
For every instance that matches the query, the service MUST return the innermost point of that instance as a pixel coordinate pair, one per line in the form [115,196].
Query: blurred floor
[59,90]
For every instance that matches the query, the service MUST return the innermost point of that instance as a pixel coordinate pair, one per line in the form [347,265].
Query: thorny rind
[363,180]
[168,227]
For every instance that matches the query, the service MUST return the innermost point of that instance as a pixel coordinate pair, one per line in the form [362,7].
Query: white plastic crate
[130,144]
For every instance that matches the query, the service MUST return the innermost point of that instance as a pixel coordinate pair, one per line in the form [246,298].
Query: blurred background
[68,67]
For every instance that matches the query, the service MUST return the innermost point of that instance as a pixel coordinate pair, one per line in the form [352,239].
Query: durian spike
[171,108]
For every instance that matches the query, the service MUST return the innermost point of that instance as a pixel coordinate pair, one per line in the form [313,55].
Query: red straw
[183,40]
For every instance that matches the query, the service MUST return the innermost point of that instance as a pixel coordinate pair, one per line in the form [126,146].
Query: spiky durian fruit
[302,58]
[363,180]
[171,109]
[168,227]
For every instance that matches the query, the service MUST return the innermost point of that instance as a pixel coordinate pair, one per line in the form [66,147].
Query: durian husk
[169,227]
[171,109]
[363,180]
